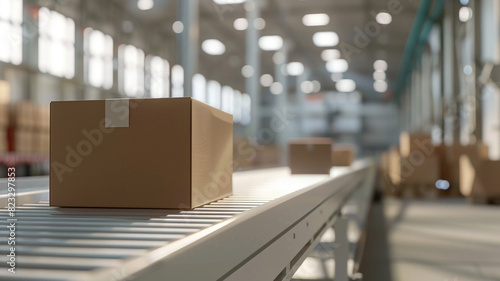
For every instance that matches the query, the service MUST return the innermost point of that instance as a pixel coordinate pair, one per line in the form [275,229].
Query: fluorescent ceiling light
[270,43]
[338,65]
[228,2]
[259,23]
[247,71]
[380,86]
[380,65]
[213,47]
[330,54]
[379,75]
[345,85]
[316,86]
[383,18]
[276,88]
[144,5]
[325,39]
[295,68]
[178,27]
[240,24]
[315,19]
[465,14]
[266,80]
[307,87]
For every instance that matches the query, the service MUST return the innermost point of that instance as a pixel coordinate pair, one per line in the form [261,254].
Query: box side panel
[310,158]
[146,165]
[212,153]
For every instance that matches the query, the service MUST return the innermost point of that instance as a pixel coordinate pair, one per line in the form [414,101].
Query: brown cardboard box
[416,169]
[411,142]
[166,153]
[450,155]
[42,120]
[4,115]
[4,92]
[310,156]
[4,146]
[479,177]
[343,154]
[41,142]
[23,115]
[24,140]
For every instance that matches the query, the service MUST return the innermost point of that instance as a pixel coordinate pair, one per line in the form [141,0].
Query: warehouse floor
[442,240]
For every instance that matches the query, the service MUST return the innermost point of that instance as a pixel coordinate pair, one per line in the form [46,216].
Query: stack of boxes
[4,123]
[28,128]
[42,130]
[419,168]
[22,123]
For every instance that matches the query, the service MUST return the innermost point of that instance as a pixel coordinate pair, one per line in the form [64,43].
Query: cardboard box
[4,92]
[343,154]
[24,140]
[450,155]
[41,142]
[139,153]
[4,115]
[4,145]
[416,169]
[479,177]
[310,156]
[42,120]
[413,142]
[22,115]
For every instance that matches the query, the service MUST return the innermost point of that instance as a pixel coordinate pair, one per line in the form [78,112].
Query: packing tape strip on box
[117,113]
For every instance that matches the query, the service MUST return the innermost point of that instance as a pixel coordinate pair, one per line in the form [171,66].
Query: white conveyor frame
[262,232]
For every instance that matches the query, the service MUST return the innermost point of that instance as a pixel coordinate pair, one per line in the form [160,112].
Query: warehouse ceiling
[362,39]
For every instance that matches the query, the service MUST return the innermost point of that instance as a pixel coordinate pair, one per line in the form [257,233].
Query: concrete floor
[442,240]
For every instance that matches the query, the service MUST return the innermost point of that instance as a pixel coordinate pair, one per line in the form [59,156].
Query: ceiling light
[325,39]
[316,86]
[379,75]
[336,77]
[178,27]
[345,85]
[295,68]
[144,5]
[247,71]
[383,18]
[228,2]
[266,80]
[315,19]
[259,23]
[465,14]
[276,88]
[213,47]
[270,43]
[306,87]
[380,65]
[338,65]
[240,24]
[380,86]
[330,54]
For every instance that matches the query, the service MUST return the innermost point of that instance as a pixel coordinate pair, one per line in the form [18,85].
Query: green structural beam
[418,37]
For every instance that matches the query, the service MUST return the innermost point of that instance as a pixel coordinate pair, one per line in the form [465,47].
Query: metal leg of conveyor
[341,249]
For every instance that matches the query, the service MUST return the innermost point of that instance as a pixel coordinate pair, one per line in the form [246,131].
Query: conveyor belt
[137,244]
